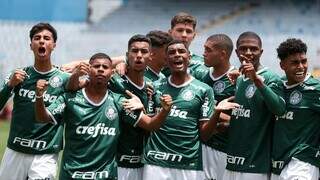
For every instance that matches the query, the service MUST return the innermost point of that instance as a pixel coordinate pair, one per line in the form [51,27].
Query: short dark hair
[249,34]
[43,26]
[159,38]
[183,18]
[291,46]
[175,41]
[138,38]
[99,56]
[223,41]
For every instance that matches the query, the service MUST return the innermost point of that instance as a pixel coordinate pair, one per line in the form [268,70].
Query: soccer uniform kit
[29,139]
[214,150]
[130,145]
[175,149]
[296,133]
[91,134]
[250,131]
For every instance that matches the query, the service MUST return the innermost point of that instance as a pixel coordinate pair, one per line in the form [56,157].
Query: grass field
[4,132]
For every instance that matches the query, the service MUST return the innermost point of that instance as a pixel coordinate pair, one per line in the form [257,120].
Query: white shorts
[233,175]
[130,173]
[275,177]
[151,172]
[214,163]
[16,165]
[299,170]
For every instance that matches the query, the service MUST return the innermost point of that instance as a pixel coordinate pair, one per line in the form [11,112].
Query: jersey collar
[297,84]
[182,85]
[215,79]
[92,103]
[43,73]
[134,84]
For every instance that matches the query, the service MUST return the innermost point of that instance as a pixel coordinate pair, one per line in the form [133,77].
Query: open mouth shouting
[42,51]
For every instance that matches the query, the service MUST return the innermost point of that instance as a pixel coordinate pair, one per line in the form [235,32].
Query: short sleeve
[56,109]
[207,107]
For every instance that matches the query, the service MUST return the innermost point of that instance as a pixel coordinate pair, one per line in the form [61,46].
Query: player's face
[212,55]
[100,71]
[138,55]
[42,44]
[158,56]
[295,67]
[178,58]
[250,48]
[183,32]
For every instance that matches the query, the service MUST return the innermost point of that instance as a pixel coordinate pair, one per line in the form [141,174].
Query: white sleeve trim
[204,119]
[54,121]
[140,116]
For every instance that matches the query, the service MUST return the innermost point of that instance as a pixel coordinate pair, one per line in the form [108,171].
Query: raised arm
[40,109]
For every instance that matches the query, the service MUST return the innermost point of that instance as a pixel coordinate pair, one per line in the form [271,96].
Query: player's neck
[96,93]
[136,77]
[179,78]
[155,68]
[220,70]
[43,65]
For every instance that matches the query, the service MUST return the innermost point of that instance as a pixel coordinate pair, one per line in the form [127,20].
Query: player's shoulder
[312,83]
[197,84]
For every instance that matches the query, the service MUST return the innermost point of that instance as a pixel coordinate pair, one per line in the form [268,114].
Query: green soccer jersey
[152,75]
[250,131]
[297,132]
[26,135]
[130,146]
[196,67]
[91,134]
[222,89]
[177,143]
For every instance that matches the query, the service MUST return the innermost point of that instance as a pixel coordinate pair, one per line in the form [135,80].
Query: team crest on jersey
[295,97]
[55,81]
[111,113]
[187,95]
[219,87]
[250,90]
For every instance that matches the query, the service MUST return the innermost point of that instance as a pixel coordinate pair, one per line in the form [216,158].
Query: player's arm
[208,128]
[75,82]
[146,122]
[40,110]
[13,80]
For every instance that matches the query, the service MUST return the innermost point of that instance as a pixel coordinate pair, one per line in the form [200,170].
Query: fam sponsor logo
[250,90]
[287,116]
[94,131]
[31,143]
[317,154]
[174,112]
[241,112]
[164,156]
[277,164]
[90,175]
[130,159]
[30,94]
[111,113]
[219,87]
[235,160]
[295,97]
[55,81]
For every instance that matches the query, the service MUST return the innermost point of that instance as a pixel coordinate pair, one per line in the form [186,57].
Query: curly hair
[291,46]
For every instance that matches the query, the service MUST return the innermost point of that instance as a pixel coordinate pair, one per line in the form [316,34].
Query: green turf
[4,132]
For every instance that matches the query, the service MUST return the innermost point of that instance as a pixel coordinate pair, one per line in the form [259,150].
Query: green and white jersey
[130,146]
[26,134]
[91,134]
[250,131]
[196,67]
[177,143]
[297,132]
[222,89]
[152,75]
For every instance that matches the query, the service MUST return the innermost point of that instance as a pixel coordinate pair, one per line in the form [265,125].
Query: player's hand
[247,67]
[150,90]
[42,86]
[17,77]
[133,103]
[121,68]
[166,102]
[227,104]
[70,67]
[233,75]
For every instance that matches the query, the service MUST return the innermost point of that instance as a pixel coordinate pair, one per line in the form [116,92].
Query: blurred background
[88,26]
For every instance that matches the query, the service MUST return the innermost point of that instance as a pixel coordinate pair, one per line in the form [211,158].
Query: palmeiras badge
[295,97]
[111,113]
[219,87]
[187,95]
[55,81]
[250,90]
